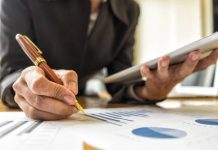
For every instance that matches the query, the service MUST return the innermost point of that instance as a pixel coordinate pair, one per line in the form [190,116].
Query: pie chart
[213,122]
[159,133]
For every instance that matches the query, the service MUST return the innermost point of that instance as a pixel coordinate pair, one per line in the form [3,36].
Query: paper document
[118,128]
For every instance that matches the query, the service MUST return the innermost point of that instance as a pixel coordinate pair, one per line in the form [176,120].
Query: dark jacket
[59,28]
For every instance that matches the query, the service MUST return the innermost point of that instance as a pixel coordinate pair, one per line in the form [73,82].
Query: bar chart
[119,118]
[114,128]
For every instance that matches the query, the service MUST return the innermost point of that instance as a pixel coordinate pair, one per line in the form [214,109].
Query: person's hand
[42,99]
[161,81]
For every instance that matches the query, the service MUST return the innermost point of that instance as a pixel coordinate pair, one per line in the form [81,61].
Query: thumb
[69,79]
[40,85]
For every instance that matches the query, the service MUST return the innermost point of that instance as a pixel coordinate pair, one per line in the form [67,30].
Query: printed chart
[212,122]
[119,118]
[159,133]
[11,126]
[117,128]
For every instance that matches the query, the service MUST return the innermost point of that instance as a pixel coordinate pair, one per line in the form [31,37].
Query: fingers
[69,79]
[45,104]
[42,99]
[162,80]
[206,62]
[163,65]
[33,113]
[40,85]
[146,72]
[162,72]
[188,66]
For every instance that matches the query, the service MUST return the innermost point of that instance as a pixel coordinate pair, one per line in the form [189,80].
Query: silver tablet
[205,45]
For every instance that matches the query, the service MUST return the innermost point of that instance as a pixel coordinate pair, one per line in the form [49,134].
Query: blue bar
[107,118]
[104,120]
[129,114]
[115,117]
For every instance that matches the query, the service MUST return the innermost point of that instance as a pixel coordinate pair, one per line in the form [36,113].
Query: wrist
[143,93]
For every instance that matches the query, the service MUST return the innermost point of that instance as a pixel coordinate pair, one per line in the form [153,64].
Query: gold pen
[34,53]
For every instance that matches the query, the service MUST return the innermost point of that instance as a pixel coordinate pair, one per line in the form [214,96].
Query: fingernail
[145,70]
[164,64]
[164,61]
[69,100]
[195,57]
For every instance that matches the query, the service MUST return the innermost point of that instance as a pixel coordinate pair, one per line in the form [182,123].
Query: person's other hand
[42,99]
[161,81]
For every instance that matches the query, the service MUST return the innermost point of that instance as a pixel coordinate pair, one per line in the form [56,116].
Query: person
[78,38]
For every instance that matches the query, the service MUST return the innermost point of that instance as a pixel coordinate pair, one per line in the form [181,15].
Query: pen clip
[37,49]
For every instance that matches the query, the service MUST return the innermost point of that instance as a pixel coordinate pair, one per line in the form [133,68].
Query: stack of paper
[120,128]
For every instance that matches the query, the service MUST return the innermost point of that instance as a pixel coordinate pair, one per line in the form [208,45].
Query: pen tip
[82,111]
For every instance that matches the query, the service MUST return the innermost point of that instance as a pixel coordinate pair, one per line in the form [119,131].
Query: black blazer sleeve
[14,19]
[125,57]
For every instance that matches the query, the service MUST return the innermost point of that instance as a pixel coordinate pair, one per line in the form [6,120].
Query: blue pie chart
[212,122]
[159,133]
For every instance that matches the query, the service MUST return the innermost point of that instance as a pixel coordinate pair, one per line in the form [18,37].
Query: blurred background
[166,25]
